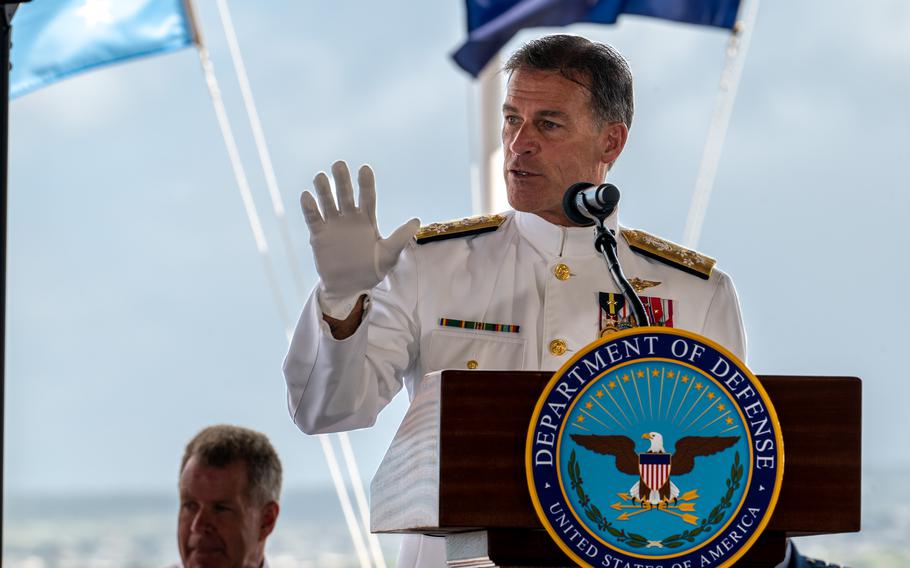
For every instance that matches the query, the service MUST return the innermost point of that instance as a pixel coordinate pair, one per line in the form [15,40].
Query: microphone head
[607,198]
[570,207]
[582,200]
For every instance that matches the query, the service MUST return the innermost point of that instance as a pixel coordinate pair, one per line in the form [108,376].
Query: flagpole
[488,185]
[8,11]
[360,544]
[7,33]
[9,8]
[737,46]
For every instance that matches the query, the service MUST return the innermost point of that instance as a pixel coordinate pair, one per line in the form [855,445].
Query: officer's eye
[549,125]
[511,119]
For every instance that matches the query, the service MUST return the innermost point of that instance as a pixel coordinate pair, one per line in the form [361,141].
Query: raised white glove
[351,256]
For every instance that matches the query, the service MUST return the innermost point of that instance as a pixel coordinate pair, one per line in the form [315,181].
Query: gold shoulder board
[669,253]
[458,228]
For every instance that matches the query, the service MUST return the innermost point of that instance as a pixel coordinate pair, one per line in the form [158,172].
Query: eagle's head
[657,442]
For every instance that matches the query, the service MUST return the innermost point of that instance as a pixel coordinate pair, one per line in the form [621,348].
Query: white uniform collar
[554,240]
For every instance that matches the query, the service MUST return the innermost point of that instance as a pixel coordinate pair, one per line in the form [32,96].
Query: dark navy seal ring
[654,447]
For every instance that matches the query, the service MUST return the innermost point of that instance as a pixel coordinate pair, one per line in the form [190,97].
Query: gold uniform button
[562,271]
[472,364]
[558,347]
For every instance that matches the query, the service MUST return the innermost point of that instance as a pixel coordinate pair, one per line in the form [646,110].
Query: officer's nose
[523,140]
[202,521]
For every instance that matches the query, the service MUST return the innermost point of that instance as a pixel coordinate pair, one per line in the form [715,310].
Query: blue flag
[492,23]
[53,39]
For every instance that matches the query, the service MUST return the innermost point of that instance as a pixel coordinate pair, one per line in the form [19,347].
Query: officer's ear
[613,138]
[268,519]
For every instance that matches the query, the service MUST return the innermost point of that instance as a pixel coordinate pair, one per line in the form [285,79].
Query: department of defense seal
[654,447]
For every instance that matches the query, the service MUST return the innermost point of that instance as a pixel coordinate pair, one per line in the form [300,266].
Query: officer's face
[550,141]
[218,525]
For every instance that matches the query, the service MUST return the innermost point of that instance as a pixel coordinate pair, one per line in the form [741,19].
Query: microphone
[584,202]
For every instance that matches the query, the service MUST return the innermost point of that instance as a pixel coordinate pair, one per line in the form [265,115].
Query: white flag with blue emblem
[53,39]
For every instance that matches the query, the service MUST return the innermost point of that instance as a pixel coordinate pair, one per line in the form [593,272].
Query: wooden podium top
[457,461]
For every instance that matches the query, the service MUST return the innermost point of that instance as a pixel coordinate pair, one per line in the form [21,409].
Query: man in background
[230,483]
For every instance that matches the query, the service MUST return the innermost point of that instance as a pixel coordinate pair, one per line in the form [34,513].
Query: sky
[138,310]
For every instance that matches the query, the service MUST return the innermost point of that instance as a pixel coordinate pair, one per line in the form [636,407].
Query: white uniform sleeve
[723,320]
[335,385]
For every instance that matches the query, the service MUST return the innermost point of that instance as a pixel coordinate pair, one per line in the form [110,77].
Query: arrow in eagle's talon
[627,516]
[691,519]
[619,506]
[623,496]
[690,495]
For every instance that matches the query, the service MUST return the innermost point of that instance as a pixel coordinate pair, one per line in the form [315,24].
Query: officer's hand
[351,256]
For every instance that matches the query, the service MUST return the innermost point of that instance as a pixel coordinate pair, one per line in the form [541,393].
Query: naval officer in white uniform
[522,290]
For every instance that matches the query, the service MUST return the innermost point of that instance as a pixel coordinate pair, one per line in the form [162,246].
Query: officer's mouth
[522,174]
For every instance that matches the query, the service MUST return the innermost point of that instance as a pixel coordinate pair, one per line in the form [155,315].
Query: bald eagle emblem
[654,466]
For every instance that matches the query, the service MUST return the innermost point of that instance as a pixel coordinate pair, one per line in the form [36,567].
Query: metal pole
[737,47]
[4,84]
[605,242]
[6,30]
[488,182]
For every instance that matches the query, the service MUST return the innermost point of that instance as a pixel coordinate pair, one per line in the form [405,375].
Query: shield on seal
[654,470]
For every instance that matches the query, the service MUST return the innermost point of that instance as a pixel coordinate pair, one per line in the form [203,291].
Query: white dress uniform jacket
[504,277]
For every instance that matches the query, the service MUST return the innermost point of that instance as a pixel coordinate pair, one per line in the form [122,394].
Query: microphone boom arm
[605,242]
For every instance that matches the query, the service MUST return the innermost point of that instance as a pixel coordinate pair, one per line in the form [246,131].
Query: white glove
[351,256]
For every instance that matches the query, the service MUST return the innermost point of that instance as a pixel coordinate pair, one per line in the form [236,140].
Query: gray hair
[221,445]
[596,66]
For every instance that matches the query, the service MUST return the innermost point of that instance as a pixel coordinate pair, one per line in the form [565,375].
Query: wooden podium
[456,467]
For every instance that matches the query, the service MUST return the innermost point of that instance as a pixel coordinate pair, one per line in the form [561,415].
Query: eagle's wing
[690,447]
[620,446]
